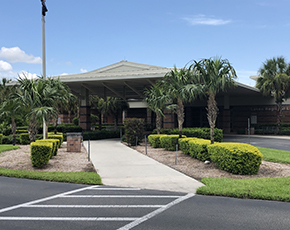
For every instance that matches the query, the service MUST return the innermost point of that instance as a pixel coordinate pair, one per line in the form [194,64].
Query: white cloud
[25,74]
[83,70]
[203,20]
[15,54]
[5,66]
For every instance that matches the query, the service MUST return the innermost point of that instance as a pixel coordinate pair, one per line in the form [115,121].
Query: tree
[181,86]
[11,108]
[101,105]
[275,82]
[40,98]
[115,107]
[217,75]
[157,100]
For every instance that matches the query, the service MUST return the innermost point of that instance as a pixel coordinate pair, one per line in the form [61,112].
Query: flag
[44,9]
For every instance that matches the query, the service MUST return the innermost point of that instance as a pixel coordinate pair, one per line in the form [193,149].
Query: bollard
[89,151]
[145,145]
[136,140]
[121,134]
[176,151]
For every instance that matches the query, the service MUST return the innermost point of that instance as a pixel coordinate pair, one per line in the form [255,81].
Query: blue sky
[89,34]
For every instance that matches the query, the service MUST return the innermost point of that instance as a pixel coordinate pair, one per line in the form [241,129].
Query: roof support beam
[150,82]
[114,91]
[132,88]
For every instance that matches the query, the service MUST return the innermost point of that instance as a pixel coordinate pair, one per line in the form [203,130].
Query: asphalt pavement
[274,142]
[29,204]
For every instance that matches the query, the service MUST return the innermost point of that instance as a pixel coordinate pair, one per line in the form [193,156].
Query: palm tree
[275,81]
[11,108]
[115,107]
[101,105]
[216,75]
[180,86]
[40,99]
[157,100]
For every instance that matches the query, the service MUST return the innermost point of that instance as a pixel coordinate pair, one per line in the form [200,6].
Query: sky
[84,35]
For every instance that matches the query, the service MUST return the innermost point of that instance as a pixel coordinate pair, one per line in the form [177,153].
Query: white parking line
[70,218]
[45,199]
[156,212]
[93,206]
[118,196]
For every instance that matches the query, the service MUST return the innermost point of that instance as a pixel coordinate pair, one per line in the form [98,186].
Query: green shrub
[24,139]
[237,158]
[154,140]
[19,131]
[56,136]
[40,153]
[169,142]
[198,149]
[55,143]
[183,144]
[1,138]
[9,139]
[203,133]
[76,121]
[134,127]
[101,134]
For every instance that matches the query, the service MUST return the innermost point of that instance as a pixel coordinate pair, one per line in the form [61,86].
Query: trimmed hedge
[183,144]
[24,139]
[55,143]
[19,131]
[154,140]
[1,138]
[40,153]
[101,134]
[169,141]
[56,136]
[198,149]
[237,158]
[203,133]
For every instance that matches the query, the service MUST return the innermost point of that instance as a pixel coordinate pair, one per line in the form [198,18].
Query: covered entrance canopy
[128,80]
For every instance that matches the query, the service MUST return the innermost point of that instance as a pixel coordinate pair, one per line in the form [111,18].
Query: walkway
[119,165]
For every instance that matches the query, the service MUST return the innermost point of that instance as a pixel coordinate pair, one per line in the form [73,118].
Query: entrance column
[226,115]
[85,110]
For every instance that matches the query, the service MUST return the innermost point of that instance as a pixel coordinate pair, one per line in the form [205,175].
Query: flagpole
[43,48]
[43,66]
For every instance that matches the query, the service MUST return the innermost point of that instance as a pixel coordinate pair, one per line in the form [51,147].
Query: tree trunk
[13,128]
[32,128]
[180,115]
[100,121]
[279,116]
[158,122]
[212,111]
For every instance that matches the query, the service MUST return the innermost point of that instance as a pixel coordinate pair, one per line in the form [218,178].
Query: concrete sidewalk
[119,165]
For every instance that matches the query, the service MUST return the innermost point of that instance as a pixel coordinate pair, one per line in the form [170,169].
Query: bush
[1,138]
[19,131]
[40,153]
[237,158]
[203,133]
[183,144]
[56,136]
[101,134]
[55,143]
[24,139]
[134,127]
[198,149]
[9,139]
[169,142]
[154,140]
[76,121]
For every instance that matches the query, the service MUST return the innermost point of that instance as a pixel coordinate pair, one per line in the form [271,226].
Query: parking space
[97,207]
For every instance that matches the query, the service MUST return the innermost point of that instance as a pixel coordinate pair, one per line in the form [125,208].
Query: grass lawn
[68,177]
[260,188]
[7,147]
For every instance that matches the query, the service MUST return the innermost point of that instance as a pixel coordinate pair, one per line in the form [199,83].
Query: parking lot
[95,207]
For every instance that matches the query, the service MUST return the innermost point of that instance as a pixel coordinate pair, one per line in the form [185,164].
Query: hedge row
[237,158]
[195,132]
